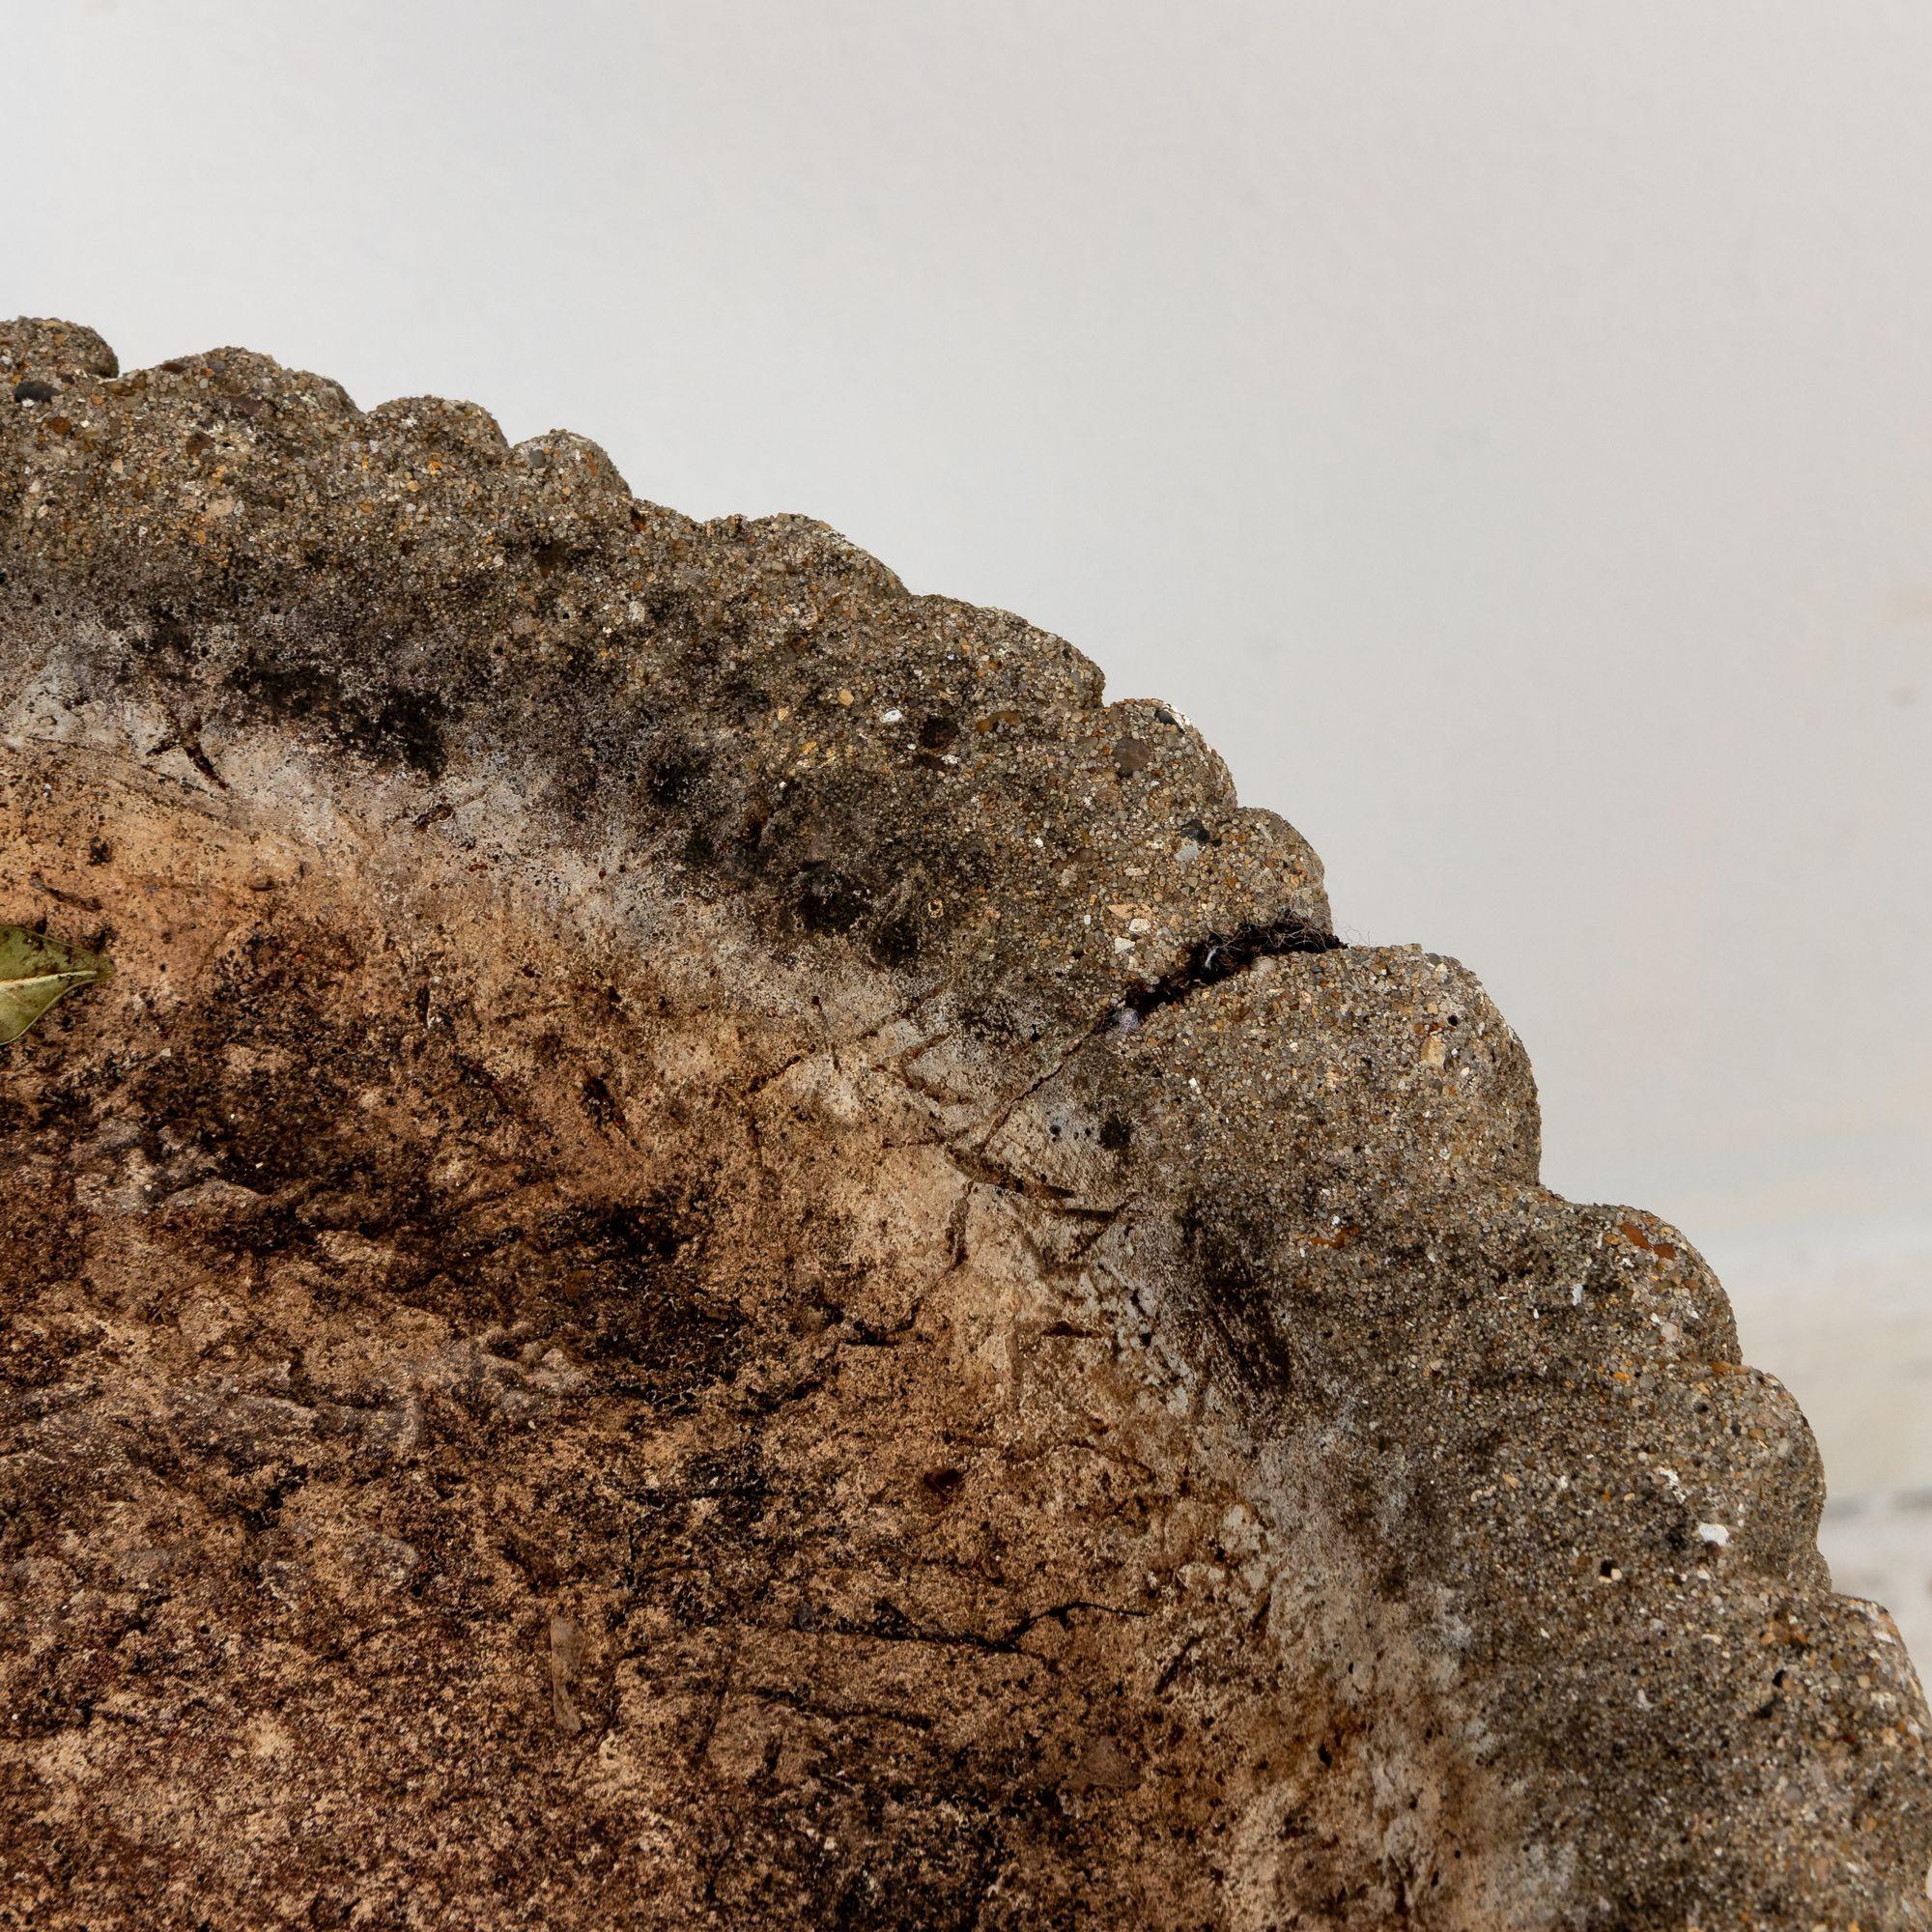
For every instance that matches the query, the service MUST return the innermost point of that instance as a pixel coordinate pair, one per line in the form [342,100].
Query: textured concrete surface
[722,1255]
[1849,1326]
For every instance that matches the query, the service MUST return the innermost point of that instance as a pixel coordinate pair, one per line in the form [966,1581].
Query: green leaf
[34,972]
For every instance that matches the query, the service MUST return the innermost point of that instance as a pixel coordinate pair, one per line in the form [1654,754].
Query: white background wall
[1504,426]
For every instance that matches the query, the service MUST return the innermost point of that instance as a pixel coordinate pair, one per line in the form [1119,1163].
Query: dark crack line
[1209,961]
[1002,1643]
[1223,956]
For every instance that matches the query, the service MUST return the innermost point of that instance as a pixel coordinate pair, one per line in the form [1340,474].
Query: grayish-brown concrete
[722,1254]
